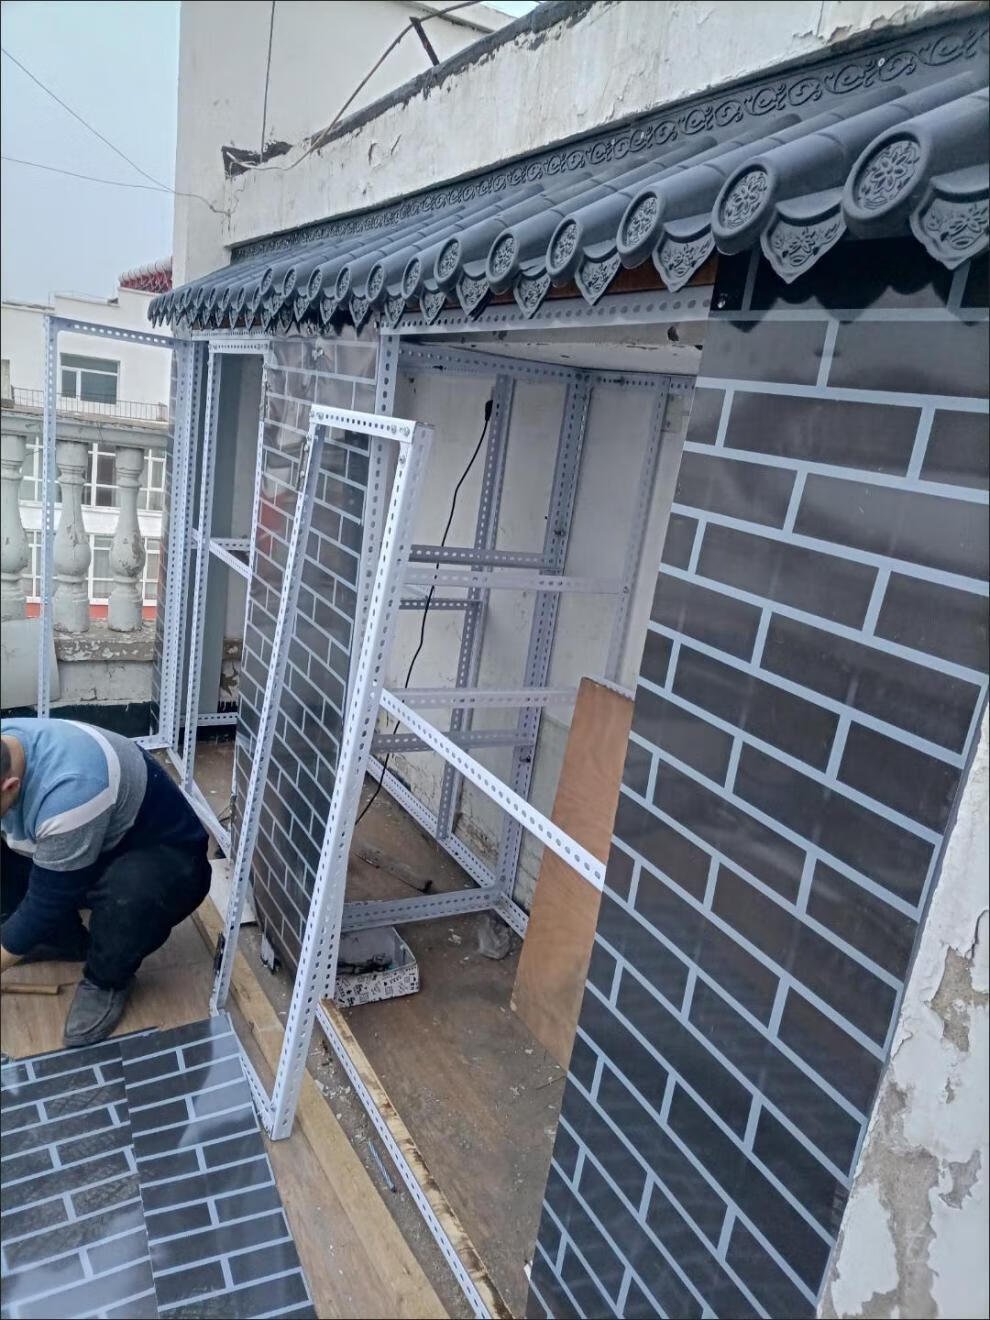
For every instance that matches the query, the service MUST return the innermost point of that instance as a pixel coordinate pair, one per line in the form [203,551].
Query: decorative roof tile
[892,140]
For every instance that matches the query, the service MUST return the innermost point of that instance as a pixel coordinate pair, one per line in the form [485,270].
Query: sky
[115,62]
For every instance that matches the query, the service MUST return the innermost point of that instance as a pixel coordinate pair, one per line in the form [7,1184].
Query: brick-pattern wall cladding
[305,752]
[810,685]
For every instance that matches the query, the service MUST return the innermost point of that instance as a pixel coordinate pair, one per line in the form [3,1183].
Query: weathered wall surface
[606,63]
[913,1240]
[320,51]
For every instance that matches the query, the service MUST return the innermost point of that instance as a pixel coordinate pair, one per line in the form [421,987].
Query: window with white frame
[100,574]
[93,380]
[100,489]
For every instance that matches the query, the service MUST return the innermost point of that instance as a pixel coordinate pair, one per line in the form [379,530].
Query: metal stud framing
[53,327]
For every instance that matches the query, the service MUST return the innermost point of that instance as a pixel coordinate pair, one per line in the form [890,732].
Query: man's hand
[8,959]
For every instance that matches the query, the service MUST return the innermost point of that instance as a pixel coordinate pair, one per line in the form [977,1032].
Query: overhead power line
[90,178]
[164,187]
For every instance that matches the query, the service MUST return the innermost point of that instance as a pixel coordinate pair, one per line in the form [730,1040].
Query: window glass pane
[89,363]
[69,384]
[151,570]
[105,497]
[97,388]
[104,468]
[100,568]
[30,488]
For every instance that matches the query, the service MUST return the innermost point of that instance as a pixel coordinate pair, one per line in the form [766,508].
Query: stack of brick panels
[136,1184]
[809,694]
[296,803]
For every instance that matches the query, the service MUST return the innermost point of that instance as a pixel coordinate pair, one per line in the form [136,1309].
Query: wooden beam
[441,1207]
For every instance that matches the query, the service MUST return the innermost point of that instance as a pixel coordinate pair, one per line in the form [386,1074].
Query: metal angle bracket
[549,834]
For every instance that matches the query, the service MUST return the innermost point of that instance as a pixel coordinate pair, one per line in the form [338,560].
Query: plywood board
[553,964]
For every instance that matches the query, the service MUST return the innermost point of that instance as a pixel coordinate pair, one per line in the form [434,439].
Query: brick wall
[304,756]
[809,690]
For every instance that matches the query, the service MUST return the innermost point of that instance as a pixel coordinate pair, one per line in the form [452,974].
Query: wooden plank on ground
[356,1259]
[441,1207]
[553,965]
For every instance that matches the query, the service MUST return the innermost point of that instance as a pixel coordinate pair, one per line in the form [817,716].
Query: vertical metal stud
[316,973]
[376,493]
[207,466]
[640,514]
[47,547]
[472,635]
[562,496]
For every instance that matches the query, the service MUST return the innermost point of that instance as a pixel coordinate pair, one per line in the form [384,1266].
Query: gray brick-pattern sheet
[306,747]
[811,685]
[136,1183]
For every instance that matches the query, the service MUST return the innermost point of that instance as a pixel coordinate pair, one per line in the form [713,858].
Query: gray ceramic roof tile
[890,141]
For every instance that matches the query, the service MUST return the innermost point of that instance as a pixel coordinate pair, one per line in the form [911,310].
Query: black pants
[136,896]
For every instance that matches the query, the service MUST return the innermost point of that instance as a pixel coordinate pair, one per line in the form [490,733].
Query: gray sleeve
[75,849]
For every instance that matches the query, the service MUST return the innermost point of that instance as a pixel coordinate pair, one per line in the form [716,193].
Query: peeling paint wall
[914,1237]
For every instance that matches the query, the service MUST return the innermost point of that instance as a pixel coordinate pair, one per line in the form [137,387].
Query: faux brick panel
[931,530]
[765,1280]
[730,830]
[867,436]
[803,1249]
[863,920]
[657,1273]
[958,453]
[740,490]
[685,1053]
[910,696]
[853,833]
[665,848]
[706,413]
[637,945]
[797,726]
[694,1194]
[787,353]
[912,356]
[834,1055]
[696,742]
[910,782]
[707,616]
[679,541]
[945,622]
[850,989]
[643,1070]
[748,980]
[786,1085]
[799,1171]
[695,1258]
[808,580]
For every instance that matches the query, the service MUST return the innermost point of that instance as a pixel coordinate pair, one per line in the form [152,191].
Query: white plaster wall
[913,1241]
[320,52]
[144,371]
[617,60]
[615,441]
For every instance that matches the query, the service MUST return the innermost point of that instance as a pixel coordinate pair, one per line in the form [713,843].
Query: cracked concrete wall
[914,1236]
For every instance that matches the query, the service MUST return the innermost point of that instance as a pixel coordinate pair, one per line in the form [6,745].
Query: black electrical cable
[429,597]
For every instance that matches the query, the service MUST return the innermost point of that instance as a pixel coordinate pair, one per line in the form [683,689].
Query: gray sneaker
[94,1013]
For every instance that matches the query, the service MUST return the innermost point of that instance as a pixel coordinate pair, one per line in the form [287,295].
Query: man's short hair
[6,765]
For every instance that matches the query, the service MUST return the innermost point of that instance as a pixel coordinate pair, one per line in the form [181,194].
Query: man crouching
[91,821]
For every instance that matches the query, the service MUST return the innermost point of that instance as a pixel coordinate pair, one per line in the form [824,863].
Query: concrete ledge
[101,643]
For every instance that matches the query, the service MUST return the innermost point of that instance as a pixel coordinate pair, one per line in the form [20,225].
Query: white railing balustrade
[72,553]
[15,556]
[128,410]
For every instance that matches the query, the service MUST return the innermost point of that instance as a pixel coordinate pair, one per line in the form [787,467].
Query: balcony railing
[123,409]
[72,553]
